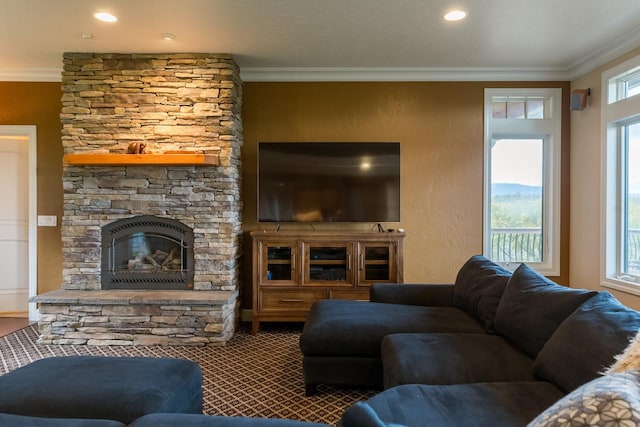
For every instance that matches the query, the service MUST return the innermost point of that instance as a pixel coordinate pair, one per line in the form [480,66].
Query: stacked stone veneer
[136,317]
[170,102]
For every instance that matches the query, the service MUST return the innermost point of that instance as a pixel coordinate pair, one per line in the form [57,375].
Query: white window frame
[617,110]
[549,129]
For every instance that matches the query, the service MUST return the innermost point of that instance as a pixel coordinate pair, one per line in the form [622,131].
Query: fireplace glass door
[147,252]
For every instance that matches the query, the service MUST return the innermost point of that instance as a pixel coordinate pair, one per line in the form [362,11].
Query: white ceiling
[331,39]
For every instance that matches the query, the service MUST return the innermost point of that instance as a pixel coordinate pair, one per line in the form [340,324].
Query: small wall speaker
[579,99]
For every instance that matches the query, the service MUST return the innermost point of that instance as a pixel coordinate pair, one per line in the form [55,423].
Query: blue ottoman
[113,388]
[9,420]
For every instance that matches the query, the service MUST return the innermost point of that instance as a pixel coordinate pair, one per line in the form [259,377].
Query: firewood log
[170,257]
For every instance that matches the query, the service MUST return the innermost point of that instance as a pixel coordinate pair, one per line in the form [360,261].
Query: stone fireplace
[151,242]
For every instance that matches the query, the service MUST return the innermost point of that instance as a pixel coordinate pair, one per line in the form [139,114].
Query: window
[630,199]
[522,178]
[621,176]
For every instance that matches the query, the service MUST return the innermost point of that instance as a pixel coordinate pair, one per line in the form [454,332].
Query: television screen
[329,182]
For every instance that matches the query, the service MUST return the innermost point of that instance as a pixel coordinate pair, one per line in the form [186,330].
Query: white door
[14,224]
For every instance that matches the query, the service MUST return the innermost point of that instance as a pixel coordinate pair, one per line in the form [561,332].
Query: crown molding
[345,74]
[618,47]
[370,74]
[31,75]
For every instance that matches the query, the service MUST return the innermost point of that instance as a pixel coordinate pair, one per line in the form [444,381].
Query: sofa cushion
[478,288]
[532,307]
[611,400]
[10,420]
[451,359]
[432,295]
[576,353]
[356,328]
[116,388]
[461,405]
[192,420]
[362,414]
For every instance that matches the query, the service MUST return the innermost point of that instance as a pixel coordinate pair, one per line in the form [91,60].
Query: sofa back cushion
[532,307]
[478,289]
[587,342]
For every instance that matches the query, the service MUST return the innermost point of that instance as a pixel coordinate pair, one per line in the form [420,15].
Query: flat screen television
[329,182]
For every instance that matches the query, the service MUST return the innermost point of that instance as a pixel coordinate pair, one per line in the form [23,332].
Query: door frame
[29,131]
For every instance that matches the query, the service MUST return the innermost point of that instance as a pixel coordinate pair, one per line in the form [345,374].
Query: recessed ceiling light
[168,36]
[86,36]
[455,15]
[105,17]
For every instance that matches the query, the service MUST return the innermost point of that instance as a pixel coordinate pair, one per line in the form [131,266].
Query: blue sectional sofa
[495,347]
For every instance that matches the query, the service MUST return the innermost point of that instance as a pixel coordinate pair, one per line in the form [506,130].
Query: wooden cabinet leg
[255,325]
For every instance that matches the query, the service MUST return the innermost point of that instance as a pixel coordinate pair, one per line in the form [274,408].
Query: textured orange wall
[39,104]
[440,128]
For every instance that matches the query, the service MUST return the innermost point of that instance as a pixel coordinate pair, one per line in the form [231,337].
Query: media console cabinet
[292,270]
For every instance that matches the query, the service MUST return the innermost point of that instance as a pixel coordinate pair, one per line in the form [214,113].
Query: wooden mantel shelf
[111,159]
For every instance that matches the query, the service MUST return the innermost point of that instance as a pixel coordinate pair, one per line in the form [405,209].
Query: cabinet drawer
[353,294]
[273,299]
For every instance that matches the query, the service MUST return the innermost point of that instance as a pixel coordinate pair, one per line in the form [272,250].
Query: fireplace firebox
[147,252]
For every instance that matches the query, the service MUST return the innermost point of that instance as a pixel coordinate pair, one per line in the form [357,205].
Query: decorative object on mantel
[136,148]
[178,158]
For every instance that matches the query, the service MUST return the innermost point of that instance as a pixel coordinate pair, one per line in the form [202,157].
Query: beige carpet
[253,375]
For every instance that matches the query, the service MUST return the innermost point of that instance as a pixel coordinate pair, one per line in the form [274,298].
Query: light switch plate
[47,220]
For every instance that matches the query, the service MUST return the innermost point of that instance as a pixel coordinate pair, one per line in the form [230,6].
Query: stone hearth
[123,317]
[170,103]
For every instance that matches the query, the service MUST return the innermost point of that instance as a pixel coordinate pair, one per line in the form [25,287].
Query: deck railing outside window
[633,251]
[516,244]
[525,245]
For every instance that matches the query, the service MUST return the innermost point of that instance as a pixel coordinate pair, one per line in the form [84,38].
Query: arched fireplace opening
[147,252]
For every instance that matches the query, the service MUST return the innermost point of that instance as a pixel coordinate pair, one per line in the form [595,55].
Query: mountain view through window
[517,200]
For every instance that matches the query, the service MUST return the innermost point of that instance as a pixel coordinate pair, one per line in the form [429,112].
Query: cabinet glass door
[328,263]
[278,263]
[376,263]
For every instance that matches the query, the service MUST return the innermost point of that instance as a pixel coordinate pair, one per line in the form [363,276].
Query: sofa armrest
[427,295]
[360,415]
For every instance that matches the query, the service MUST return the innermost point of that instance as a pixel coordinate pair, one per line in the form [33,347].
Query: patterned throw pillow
[608,401]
